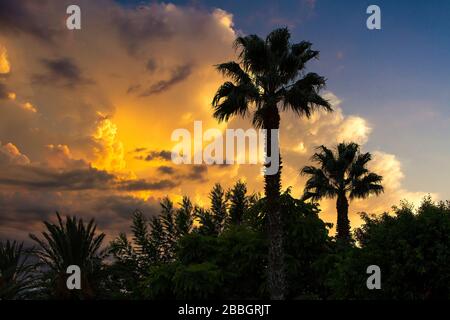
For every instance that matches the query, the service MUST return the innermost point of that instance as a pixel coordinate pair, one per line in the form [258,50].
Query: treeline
[221,252]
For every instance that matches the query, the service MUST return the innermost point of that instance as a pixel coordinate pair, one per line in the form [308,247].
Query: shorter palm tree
[341,173]
[16,276]
[70,243]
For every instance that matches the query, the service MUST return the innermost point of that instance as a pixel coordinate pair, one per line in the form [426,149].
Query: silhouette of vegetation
[69,243]
[15,273]
[412,248]
[244,245]
[168,257]
[270,77]
[341,174]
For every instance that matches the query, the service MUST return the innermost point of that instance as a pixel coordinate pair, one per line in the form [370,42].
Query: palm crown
[341,173]
[270,72]
[70,243]
[15,273]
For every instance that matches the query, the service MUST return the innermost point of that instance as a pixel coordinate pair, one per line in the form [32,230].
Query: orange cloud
[4,62]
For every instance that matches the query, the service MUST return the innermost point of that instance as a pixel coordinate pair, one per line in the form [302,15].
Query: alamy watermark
[374,280]
[74,280]
[374,20]
[73,21]
[234,146]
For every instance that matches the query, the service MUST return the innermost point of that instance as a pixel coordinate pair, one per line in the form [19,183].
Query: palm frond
[231,100]
[318,185]
[303,96]
[253,53]
[367,185]
[234,71]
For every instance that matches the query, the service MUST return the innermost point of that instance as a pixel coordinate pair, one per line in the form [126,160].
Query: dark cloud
[151,65]
[123,206]
[33,177]
[24,17]
[157,155]
[166,170]
[133,88]
[22,213]
[62,71]
[3,91]
[144,185]
[136,27]
[177,76]
[197,173]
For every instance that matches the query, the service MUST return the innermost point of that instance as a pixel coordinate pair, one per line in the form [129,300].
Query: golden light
[29,107]
[5,67]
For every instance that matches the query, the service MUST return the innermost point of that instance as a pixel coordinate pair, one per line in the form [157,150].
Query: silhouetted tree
[184,217]
[341,174]
[15,272]
[218,200]
[239,202]
[70,243]
[412,249]
[268,77]
[207,222]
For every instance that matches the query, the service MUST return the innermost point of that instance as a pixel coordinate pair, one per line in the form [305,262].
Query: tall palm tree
[70,243]
[15,272]
[270,77]
[342,174]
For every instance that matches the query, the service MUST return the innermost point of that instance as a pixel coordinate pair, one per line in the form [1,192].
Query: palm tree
[341,174]
[270,77]
[71,243]
[15,272]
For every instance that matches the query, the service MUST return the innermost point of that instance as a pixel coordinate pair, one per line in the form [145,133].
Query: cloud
[3,91]
[135,27]
[61,71]
[354,129]
[166,170]
[76,126]
[108,151]
[143,185]
[300,137]
[10,154]
[164,155]
[26,106]
[83,150]
[20,17]
[198,173]
[37,177]
[177,76]
[5,67]
[111,211]
[151,65]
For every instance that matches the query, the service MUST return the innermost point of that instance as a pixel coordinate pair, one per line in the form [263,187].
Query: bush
[412,248]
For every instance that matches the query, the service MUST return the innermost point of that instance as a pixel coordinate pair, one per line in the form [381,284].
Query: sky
[86,115]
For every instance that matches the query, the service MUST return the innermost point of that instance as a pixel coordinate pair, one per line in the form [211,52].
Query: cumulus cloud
[76,124]
[10,154]
[85,119]
[301,137]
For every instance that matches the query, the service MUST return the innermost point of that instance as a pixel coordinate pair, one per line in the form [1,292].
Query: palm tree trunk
[272,188]
[343,224]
